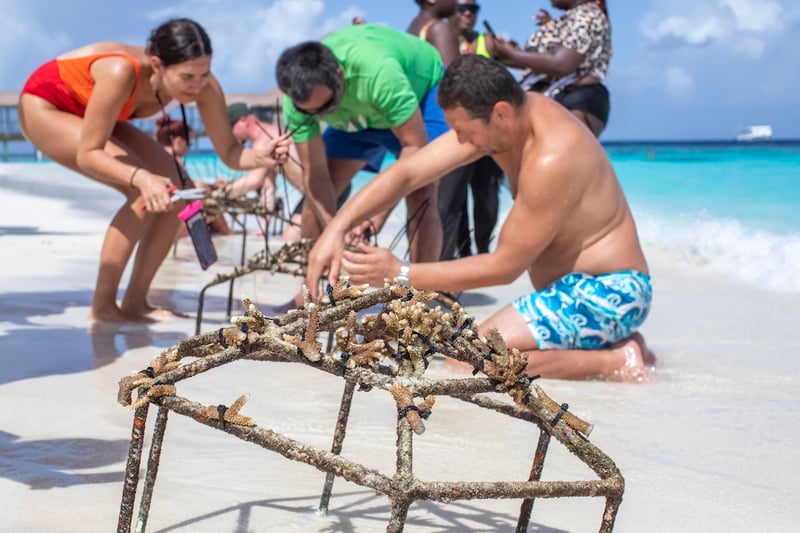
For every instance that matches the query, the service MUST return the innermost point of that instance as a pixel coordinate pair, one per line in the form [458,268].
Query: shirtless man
[570,228]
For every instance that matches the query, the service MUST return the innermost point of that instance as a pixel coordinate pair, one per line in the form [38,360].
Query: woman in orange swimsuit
[75,109]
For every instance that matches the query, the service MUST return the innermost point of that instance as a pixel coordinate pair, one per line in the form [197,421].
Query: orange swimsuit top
[79,82]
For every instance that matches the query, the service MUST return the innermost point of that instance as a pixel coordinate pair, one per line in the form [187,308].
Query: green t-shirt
[387,73]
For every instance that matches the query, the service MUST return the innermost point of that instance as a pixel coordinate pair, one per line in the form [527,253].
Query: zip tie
[558,416]
[246,342]
[329,288]
[221,409]
[464,325]
[422,413]
[221,338]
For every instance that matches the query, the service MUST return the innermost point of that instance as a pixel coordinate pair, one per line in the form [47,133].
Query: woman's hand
[276,152]
[501,49]
[542,17]
[154,190]
[370,265]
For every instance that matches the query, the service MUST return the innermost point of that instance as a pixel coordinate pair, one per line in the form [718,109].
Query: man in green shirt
[375,88]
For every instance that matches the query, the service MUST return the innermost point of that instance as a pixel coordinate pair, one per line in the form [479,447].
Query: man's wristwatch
[402,278]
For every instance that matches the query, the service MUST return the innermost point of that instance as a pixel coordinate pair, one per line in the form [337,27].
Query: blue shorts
[371,145]
[581,311]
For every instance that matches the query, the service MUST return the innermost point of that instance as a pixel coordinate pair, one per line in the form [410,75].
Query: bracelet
[133,175]
[402,278]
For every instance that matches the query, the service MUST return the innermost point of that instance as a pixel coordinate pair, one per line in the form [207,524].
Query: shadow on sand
[454,517]
[47,464]
[38,340]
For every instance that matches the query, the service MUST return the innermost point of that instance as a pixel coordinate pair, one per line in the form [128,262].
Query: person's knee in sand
[569,228]
[75,110]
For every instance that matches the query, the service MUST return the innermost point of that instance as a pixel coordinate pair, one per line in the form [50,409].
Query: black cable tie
[558,416]
[424,414]
[345,358]
[464,325]
[408,296]
[425,340]
[149,372]
[479,367]
[399,356]
[329,288]
[221,409]
[246,342]
[222,338]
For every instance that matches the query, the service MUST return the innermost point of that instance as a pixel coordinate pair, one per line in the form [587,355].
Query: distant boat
[754,133]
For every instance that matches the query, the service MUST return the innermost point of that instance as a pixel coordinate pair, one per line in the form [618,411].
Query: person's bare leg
[121,238]
[424,224]
[268,191]
[56,135]
[154,245]
[626,360]
[158,230]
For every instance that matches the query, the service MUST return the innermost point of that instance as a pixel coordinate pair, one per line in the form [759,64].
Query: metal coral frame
[388,350]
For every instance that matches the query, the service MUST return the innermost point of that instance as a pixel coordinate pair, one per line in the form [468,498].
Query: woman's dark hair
[305,65]
[476,83]
[178,40]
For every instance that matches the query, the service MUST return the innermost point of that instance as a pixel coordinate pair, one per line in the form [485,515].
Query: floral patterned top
[585,29]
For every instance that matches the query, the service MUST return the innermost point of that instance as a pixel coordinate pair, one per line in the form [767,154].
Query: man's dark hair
[303,66]
[476,83]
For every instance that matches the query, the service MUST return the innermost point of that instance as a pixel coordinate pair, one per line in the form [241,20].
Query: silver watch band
[402,278]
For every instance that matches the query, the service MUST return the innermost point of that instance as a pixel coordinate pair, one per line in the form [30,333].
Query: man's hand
[371,265]
[325,255]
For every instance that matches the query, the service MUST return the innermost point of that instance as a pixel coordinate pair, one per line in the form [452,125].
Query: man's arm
[411,134]
[543,204]
[317,186]
[424,166]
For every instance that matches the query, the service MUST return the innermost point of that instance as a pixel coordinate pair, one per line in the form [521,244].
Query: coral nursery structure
[389,350]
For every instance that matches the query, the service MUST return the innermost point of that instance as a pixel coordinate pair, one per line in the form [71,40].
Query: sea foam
[756,257]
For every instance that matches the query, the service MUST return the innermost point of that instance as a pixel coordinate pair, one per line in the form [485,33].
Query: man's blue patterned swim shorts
[581,311]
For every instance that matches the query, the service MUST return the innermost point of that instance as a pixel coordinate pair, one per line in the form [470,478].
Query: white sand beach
[708,446]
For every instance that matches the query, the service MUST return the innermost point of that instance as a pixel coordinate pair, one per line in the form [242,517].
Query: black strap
[167,119]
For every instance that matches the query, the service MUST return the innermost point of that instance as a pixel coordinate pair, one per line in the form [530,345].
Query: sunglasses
[324,108]
[468,8]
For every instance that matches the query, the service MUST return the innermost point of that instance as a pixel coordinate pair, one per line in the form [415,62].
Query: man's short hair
[303,66]
[237,111]
[477,83]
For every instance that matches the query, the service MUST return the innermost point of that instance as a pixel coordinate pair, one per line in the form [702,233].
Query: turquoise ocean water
[733,208]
